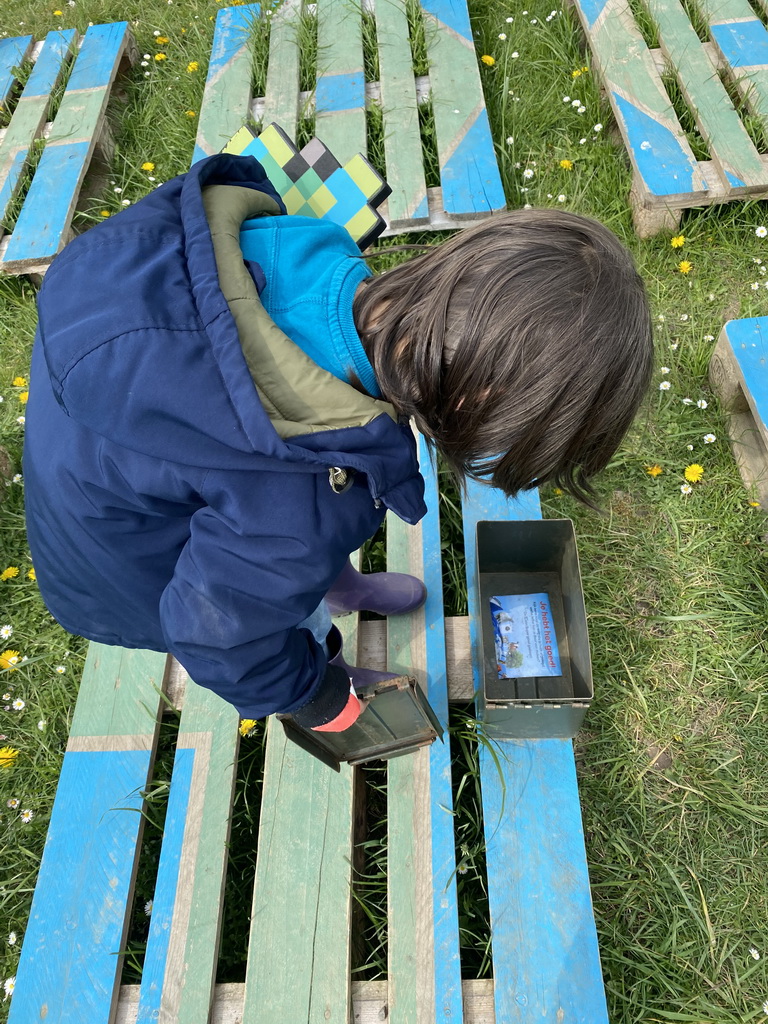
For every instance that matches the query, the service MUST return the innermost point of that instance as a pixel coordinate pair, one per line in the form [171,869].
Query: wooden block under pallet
[738,371]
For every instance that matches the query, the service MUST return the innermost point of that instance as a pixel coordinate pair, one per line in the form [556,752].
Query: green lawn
[673,761]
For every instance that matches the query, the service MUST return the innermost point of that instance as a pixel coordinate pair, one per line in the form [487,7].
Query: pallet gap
[370,47]
[453,560]
[308,50]
[370,931]
[698,22]
[241,860]
[469,835]
[645,23]
[685,117]
[760,11]
[417,33]
[374,131]
[260,36]
[754,125]
[154,813]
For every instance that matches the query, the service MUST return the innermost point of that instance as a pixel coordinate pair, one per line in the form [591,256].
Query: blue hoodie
[176,498]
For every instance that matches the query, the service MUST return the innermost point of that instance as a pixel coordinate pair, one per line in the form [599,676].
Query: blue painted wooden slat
[12,53]
[78,912]
[95,64]
[448,996]
[742,43]
[749,342]
[47,67]
[546,962]
[164,901]
[49,203]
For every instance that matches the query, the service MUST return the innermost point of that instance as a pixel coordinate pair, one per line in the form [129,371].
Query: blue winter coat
[164,509]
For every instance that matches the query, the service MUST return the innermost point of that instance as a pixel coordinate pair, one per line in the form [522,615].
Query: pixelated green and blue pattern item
[312,183]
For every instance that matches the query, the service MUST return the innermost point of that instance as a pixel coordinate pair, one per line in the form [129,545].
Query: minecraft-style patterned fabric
[312,183]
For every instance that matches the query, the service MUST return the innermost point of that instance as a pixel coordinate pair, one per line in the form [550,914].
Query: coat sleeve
[260,557]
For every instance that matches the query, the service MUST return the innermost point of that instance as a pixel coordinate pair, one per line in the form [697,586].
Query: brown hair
[522,347]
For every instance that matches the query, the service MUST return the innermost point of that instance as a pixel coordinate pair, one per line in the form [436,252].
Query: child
[195,481]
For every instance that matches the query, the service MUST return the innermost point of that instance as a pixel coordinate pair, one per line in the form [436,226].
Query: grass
[672,760]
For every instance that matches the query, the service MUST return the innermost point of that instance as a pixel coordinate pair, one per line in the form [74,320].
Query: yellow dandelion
[191,113]
[192,66]
[585,69]
[104,213]
[32,575]
[246,725]
[19,382]
[755,504]
[10,573]
[677,242]
[576,73]
[557,491]
[685,266]
[9,660]
[162,40]
[7,756]
[161,56]
[147,166]
[57,14]
[694,473]
[654,470]
[24,397]
[567,165]
[487,59]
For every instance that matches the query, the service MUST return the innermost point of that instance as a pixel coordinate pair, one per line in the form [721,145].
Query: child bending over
[219,415]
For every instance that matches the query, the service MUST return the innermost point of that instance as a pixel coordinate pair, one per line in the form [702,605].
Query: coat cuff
[328,702]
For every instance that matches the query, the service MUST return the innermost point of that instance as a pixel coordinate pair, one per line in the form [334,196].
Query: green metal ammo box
[529,557]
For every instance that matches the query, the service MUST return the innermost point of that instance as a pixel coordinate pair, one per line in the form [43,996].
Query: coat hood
[142,346]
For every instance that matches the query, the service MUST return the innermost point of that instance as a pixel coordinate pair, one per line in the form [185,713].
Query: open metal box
[531,557]
[397,719]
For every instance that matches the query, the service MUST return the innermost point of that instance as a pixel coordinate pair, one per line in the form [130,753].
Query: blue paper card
[524,636]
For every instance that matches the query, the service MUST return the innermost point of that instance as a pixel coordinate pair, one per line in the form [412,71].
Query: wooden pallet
[470,185]
[731,61]
[79,132]
[738,371]
[545,958]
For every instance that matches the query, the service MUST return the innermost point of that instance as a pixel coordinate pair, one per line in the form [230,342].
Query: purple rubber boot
[385,593]
[359,676]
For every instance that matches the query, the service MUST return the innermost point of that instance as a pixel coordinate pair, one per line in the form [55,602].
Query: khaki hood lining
[299,396]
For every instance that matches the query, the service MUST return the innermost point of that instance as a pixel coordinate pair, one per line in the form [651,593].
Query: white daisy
[5,632]
[27,815]
[9,985]
[12,939]
[686,489]
[60,669]
[709,439]
[18,704]
[702,403]
[665,385]
[761,232]
[528,173]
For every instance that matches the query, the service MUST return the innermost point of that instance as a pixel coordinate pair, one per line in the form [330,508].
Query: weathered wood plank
[658,149]
[227,96]
[299,948]
[737,160]
[30,113]
[340,91]
[738,371]
[369,1000]
[281,98]
[13,51]
[469,175]
[80,912]
[546,963]
[182,949]
[43,226]
[407,205]
[424,964]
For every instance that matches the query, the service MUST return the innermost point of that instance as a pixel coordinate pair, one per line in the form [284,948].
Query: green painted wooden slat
[299,952]
[719,124]
[181,957]
[402,138]
[227,97]
[119,695]
[409,850]
[340,90]
[281,100]
[656,143]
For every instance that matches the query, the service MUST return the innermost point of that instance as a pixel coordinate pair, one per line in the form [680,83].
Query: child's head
[522,347]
